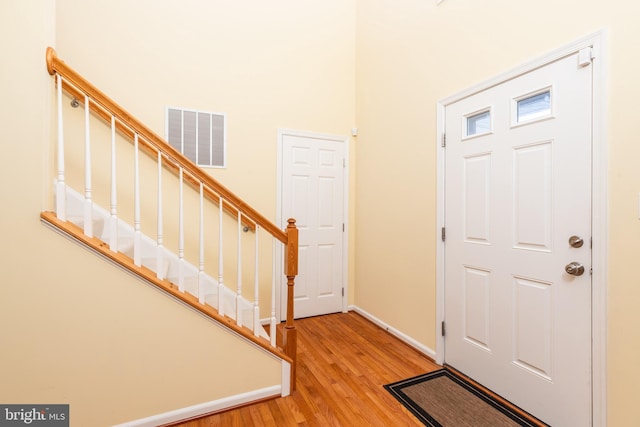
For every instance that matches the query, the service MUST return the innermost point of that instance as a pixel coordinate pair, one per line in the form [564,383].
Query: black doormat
[442,399]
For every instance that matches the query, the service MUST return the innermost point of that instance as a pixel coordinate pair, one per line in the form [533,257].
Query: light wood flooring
[343,362]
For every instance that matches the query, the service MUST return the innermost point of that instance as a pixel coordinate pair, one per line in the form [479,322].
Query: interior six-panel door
[517,252]
[312,193]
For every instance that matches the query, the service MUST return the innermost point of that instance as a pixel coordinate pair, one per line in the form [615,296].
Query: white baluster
[220,259]
[159,251]
[137,235]
[61,191]
[88,204]
[181,232]
[113,220]
[201,245]
[239,263]
[256,289]
[272,328]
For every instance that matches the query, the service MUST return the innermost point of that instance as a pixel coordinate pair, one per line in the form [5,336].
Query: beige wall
[315,67]
[77,330]
[267,65]
[412,54]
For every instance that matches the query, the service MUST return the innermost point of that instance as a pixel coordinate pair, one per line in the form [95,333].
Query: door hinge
[442,329]
[343,227]
[344,163]
[444,234]
[443,140]
[342,291]
[585,56]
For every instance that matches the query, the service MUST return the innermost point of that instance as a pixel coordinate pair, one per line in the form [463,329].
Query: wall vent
[201,136]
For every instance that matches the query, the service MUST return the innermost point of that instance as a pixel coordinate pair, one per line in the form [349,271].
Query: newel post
[289,336]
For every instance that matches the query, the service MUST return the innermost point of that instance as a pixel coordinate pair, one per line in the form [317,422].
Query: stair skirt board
[205,408]
[169,265]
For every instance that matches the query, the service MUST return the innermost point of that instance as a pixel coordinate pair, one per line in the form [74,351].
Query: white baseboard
[407,339]
[204,408]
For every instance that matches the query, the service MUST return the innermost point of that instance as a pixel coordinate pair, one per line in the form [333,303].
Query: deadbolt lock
[576,241]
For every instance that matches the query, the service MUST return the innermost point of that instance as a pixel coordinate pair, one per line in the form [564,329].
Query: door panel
[517,186]
[532,330]
[533,197]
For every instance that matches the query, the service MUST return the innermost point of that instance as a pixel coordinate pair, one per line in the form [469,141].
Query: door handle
[574,268]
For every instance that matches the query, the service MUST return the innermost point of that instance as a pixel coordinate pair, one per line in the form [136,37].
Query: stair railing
[145,141]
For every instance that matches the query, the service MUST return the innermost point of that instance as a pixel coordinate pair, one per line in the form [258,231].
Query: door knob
[574,268]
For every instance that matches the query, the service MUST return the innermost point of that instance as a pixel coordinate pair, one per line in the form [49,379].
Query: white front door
[517,191]
[313,169]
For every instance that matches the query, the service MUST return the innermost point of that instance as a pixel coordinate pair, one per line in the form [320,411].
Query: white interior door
[517,188]
[313,169]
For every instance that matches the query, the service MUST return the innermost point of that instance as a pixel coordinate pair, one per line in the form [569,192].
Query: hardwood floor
[343,362]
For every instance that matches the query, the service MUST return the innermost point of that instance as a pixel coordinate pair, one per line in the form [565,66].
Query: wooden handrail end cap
[51,56]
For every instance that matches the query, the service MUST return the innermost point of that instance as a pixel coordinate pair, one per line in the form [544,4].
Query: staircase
[186,258]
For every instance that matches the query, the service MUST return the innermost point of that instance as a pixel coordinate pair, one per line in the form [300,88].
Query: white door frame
[599,208]
[279,279]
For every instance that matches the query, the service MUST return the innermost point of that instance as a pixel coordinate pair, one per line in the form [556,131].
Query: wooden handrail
[76,85]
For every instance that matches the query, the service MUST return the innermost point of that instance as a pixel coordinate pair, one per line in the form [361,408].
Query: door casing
[597,42]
